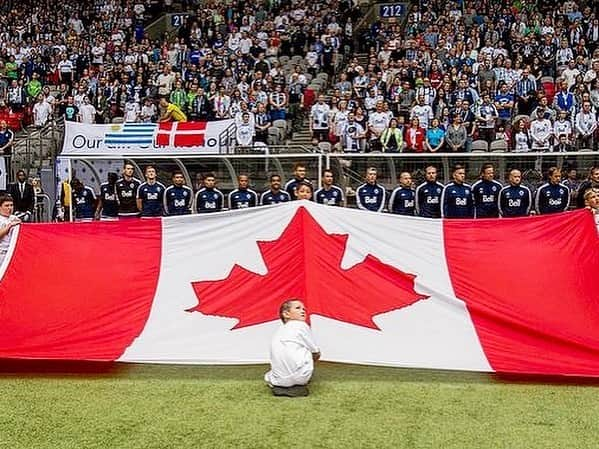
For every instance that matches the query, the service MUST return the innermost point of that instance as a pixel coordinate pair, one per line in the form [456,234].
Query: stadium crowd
[474,75]
[460,76]
[96,64]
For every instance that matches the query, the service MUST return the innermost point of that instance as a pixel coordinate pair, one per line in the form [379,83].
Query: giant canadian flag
[510,295]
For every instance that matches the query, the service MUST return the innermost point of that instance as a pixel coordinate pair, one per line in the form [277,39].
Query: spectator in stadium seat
[562,144]
[541,133]
[486,116]
[520,137]
[245,131]
[414,137]
[70,110]
[319,120]
[392,138]
[292,352]
[586,125]
[563,126]
[553,196]
[353,135]
[435,137]
[6,140]
[456,135]
[42,112]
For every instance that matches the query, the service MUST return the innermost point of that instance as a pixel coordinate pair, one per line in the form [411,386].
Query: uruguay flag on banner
[131,134]
[499,295]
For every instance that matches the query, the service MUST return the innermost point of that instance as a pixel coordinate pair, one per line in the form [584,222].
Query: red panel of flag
[186,134]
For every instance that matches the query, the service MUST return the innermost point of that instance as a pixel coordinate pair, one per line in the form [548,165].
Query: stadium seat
[480,146]
[282,126]
[498,146]
[274,136]
[325,147]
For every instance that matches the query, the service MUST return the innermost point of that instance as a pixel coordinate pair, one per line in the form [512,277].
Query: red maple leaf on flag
[305,263]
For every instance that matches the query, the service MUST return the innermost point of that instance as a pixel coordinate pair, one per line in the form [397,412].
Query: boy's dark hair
[305,183]
[286,307]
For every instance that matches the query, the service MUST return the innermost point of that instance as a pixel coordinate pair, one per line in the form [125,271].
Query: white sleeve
[305,334]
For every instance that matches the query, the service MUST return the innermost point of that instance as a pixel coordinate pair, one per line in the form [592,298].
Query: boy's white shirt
[291,352]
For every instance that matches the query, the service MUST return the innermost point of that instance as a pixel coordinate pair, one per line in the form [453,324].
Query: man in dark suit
[23,196]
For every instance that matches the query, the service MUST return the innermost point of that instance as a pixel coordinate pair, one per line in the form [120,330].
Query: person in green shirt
[33,87]
[179,96]
[12,71]
[192,93]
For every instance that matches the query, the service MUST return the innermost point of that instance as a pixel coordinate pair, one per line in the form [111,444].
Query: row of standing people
[487,198]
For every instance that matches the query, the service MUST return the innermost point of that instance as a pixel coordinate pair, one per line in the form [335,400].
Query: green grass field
[146,406]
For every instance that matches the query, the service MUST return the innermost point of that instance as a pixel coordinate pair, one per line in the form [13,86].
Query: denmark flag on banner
[513,295]
[181,134]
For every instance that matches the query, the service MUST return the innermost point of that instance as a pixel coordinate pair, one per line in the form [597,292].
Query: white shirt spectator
[320,116]
[132,112]
[98,54]
[352,136]
[165,83]
[41,113]
[540,134]
[562,127]
[424,114]
[378,122]
[586,123]
[521,142]
[87,113]
[245,134]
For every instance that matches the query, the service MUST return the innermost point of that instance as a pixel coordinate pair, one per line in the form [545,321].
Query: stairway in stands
[303,136]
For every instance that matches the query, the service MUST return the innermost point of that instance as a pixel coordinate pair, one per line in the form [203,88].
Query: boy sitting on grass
[292,352]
